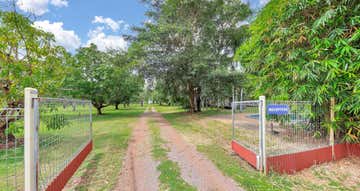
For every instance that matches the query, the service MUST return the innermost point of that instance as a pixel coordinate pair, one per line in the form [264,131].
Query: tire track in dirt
[139,169]
[196,169]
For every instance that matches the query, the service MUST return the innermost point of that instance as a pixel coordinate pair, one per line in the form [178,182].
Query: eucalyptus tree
[185,40]
[308,50]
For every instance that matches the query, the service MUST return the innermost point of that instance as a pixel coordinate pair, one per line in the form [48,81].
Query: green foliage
[56,121]
[16,129]
[103,77]
[186,41]
[28,58]
[307,50]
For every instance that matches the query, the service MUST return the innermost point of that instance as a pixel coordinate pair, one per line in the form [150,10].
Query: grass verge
[170,177]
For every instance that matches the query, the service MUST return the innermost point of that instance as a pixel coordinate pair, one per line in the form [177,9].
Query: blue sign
[278,109]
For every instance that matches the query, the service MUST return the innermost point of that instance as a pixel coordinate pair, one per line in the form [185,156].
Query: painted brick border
[245,153]
[60,181]
[291,163]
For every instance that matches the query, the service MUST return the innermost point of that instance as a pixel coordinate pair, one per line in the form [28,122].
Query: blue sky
[78,23]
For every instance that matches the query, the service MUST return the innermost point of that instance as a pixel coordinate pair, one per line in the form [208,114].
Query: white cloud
[39,7]
[108,22]
[59,3]
[111,24]
[105,42]
[65,38]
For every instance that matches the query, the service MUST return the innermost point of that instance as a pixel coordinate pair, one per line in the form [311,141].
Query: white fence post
[263,132]
[30,140]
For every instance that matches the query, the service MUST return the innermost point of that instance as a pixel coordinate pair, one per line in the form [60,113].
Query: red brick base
[244,153]
[291,163]
[60,181]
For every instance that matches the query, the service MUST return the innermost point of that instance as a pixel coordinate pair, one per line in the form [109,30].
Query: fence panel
[64,132]
[11,149]
[246,124]
[292,127]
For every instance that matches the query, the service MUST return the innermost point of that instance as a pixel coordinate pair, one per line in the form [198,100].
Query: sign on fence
[278,109]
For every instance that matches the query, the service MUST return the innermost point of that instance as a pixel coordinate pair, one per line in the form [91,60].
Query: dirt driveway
[139,170]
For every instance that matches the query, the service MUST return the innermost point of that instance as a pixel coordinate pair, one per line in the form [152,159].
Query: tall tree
[187,39]
[91,77]
[126,82]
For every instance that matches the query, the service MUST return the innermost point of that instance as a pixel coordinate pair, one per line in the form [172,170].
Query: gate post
[30,139]
[263,132]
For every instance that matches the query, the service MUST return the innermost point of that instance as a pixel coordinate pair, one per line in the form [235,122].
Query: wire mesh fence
[280,133]
[293,126]
[64,131]
[11,149]
[246,129]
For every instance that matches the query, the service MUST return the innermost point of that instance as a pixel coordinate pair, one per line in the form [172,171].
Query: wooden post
[332,134]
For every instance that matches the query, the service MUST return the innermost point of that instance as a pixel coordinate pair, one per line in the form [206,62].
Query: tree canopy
[28,58]
[188,40]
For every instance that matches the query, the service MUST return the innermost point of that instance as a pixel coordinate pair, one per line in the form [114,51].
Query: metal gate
[44,143]
[248,126]
[276,132]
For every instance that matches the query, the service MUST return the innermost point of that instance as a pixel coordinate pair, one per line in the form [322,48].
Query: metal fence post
[233,113]
[30,139]
[332,134]
[263,132]
[241,97]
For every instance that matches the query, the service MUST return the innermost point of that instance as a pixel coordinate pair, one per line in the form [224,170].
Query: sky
[77,23]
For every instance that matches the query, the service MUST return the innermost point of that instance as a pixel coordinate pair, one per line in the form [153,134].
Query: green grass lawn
[111,134]
[213,137]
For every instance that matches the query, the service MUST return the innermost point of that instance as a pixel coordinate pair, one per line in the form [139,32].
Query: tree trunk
[198,100]
[117,106]
[191,98]
[99,112]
